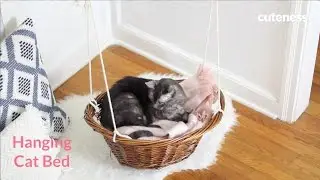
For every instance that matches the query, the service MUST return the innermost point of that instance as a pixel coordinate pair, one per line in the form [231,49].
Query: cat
[127,110]
[168,99]
[135,86]
[155,99]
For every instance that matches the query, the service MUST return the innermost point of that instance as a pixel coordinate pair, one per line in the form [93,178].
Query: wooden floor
[316,76]
[259,148]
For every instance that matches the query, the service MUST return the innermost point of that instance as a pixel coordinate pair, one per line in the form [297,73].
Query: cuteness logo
[273,17]
[42,160]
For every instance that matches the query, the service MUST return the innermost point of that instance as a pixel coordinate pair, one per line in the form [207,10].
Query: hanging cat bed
[149,154]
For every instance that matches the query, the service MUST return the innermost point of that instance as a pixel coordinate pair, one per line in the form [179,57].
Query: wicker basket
[145,154]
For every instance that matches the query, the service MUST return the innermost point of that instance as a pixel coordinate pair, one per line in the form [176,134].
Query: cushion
[30,127]
[23,80]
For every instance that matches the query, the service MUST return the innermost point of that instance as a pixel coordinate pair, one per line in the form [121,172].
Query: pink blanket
[201,91]
[166,129]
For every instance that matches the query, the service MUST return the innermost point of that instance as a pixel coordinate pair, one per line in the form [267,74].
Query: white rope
[208,35]
[93,102]
[218,47]
[218,53]
[88,48]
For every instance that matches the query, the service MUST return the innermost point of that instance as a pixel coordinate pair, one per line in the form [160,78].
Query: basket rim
[108,134]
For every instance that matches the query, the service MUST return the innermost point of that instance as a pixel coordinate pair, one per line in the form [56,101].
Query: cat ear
[151,84]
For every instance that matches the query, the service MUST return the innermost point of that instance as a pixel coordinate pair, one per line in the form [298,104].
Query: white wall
[61,32]
[255,56]
[266,66]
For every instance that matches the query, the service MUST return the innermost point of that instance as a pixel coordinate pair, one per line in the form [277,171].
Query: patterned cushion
[23,80]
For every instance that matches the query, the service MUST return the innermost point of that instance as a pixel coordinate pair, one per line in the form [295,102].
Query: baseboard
[185,63]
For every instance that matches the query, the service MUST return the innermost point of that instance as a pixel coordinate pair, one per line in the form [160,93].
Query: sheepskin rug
[91,158]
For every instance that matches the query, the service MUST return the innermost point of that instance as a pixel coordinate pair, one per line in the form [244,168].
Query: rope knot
[94,104]
[116,132]
[114,135]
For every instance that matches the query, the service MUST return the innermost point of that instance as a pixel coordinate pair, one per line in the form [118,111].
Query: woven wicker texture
[146,154]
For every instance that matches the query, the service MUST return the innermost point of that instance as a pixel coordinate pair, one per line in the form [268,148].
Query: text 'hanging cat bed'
[149,154]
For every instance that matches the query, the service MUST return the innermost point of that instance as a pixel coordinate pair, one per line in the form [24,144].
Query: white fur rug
[90,155]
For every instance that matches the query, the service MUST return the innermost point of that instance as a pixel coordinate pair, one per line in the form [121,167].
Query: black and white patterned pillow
[23,80]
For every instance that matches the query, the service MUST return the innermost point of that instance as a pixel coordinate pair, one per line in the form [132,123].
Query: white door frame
[303,45]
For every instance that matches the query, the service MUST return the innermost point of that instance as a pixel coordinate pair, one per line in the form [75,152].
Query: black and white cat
[140,101]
